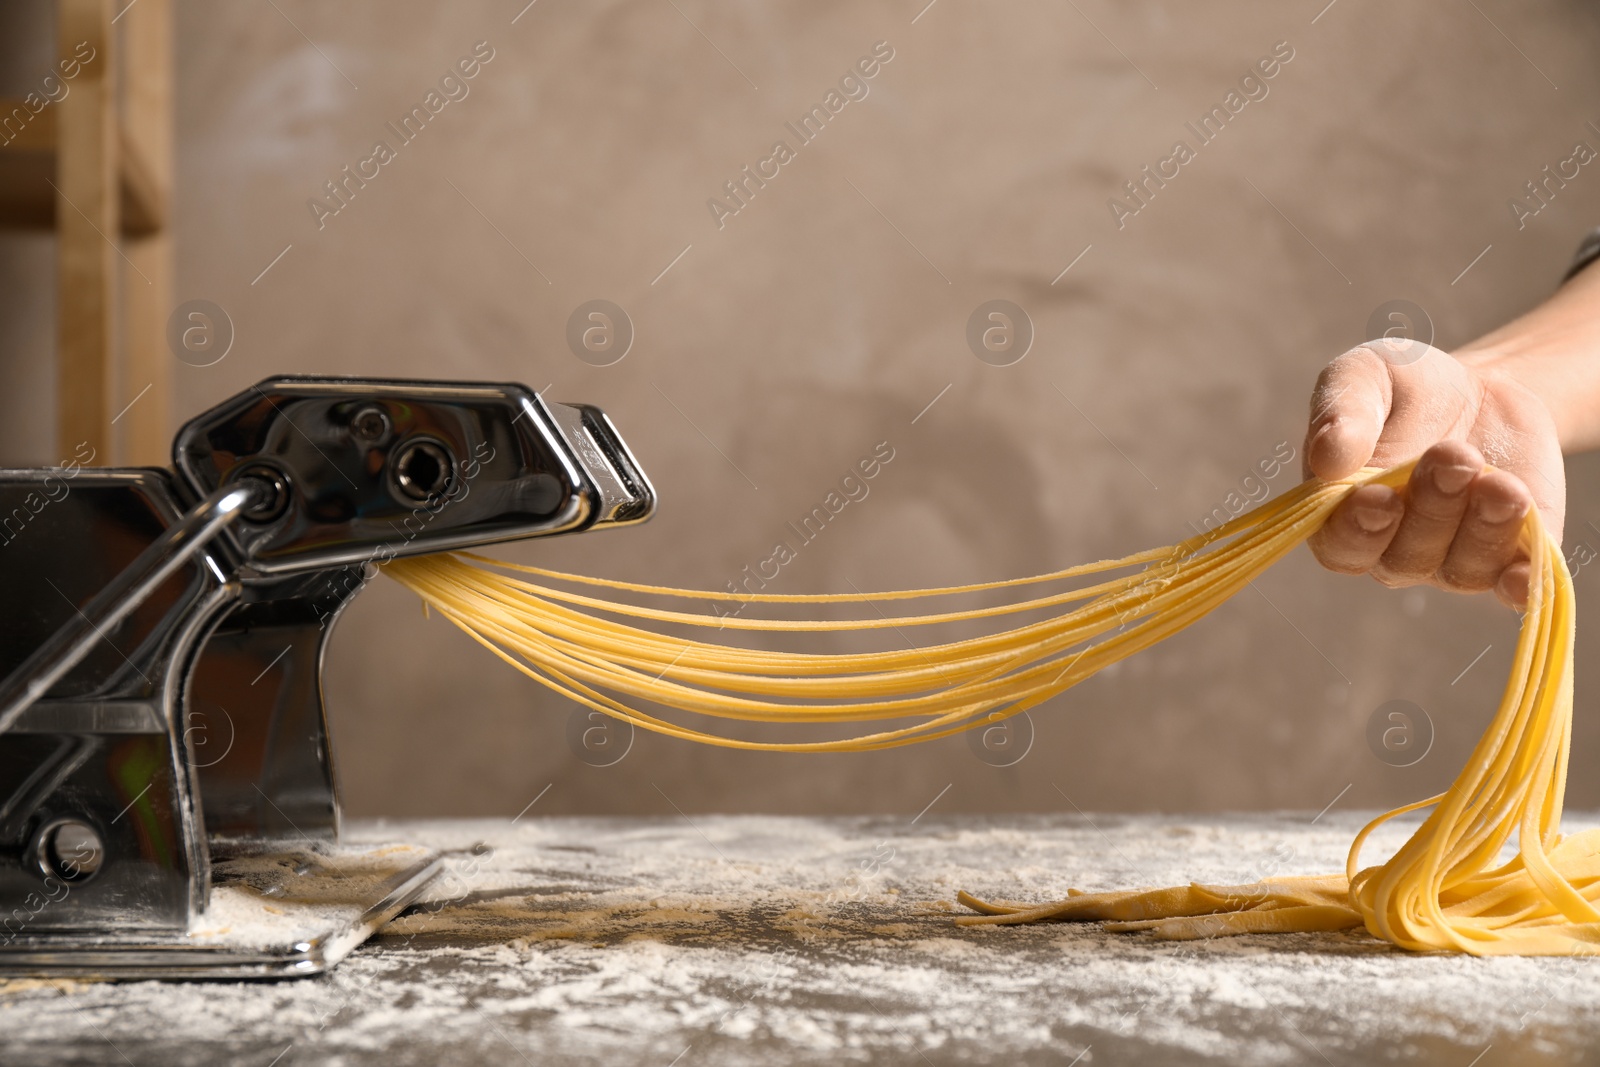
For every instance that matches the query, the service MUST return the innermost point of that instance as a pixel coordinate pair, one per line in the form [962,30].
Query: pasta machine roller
[168,804]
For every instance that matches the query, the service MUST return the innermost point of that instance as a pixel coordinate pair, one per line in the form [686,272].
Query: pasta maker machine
[168,803]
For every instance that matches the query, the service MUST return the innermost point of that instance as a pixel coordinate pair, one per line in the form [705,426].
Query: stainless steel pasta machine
[168,804]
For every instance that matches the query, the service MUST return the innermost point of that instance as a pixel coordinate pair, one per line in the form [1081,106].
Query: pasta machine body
[163,738]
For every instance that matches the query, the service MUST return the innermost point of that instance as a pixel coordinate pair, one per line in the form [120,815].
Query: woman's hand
[1455,524]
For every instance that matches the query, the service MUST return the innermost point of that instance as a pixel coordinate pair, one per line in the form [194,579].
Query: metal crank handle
[34,677]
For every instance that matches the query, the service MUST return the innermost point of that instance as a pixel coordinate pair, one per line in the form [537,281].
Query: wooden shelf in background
[94,168]
[28,166]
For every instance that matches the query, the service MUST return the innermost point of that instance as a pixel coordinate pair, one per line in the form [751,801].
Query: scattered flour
[774,940]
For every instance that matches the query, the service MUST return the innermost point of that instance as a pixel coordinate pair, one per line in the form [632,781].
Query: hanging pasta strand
[591,640]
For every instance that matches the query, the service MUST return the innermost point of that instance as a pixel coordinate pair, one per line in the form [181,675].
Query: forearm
[1554,351]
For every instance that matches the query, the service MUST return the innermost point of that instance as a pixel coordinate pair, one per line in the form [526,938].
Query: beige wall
[824,316]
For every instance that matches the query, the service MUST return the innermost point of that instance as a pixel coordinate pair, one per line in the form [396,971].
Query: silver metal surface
[68,849]
[255,720]
[626,495]
[162,699]
[342,918]
[515,472]
[67,647]
[90,717]
[422,469]
[115,757]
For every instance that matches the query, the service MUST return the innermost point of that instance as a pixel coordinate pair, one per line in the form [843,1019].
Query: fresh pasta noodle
[1447,888]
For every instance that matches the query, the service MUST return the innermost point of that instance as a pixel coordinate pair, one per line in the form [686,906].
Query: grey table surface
[711,940]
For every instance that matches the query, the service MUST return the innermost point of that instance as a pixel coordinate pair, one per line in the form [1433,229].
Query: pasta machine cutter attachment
[168,805]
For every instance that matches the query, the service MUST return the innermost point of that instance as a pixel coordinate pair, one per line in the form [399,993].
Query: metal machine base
[278,909]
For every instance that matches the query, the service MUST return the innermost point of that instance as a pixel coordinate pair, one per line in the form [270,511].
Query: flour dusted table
[716,940]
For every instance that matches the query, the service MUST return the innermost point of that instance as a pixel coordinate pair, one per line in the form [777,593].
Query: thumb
[1349,406]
